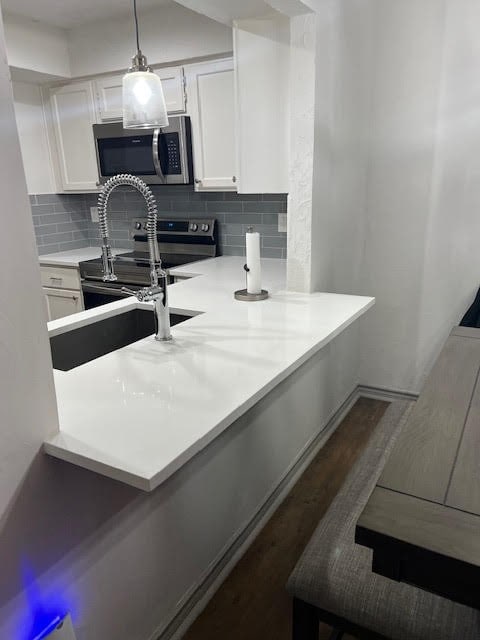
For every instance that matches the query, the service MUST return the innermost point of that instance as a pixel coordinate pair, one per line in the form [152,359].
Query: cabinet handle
[198,181]
[234,178]
[59,295]
[56,281]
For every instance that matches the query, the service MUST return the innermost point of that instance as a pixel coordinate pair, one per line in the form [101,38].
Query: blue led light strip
[43,634]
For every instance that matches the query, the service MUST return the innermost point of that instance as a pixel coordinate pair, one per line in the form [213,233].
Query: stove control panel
[199,227]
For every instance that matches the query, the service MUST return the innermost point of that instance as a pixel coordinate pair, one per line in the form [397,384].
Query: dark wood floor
[252,603]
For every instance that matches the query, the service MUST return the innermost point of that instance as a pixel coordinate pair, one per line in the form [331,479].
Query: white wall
[421,257]
[27,401]
[36,47]
[342,108]
[394,210]
[38,52]
[408,41]
[330,109]
[167,34]
[451,268]
[27,398]
[351,127]
[33,138]
[302,81]
[227,11]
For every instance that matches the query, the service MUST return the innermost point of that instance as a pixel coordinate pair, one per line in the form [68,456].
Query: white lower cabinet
[62,302]
[62,290]
[211,107]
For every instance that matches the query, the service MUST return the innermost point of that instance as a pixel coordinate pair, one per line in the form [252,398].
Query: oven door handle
[111,291]
[156,155]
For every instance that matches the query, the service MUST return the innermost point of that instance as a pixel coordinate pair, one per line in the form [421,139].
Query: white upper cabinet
[30,116]
[262,59]
[173,84]
[210,92]
[108,93]
[72,110]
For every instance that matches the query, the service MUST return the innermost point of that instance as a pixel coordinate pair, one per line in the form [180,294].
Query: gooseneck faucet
[157,291]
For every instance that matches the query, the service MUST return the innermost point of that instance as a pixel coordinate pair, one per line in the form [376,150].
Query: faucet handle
[137,294]
[153,292]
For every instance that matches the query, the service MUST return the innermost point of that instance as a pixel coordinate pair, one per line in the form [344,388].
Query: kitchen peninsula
[142,412]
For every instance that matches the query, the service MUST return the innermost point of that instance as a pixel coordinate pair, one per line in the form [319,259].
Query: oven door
[158,156]
[97,293]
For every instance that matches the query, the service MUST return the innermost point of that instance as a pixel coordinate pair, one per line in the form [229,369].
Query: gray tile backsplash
[60,222]
[63,222]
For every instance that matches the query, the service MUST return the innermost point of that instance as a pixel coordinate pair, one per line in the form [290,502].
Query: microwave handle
[156,157]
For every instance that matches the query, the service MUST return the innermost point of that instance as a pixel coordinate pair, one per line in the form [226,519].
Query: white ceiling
[72,13]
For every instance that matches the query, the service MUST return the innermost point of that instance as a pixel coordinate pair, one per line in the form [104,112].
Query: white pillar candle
[254,274]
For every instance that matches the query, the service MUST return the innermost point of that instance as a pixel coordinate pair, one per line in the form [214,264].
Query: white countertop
[73,257]
[140,413]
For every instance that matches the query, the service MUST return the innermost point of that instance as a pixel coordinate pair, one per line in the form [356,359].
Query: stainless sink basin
[78,346]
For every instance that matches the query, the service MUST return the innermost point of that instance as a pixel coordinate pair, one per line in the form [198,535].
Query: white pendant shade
[143,101]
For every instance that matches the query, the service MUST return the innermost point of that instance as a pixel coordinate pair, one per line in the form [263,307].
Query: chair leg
[305,621]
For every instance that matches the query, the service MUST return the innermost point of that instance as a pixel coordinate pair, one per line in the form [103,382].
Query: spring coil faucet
[157,291]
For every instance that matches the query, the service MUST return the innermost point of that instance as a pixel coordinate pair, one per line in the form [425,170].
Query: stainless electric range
[180,241]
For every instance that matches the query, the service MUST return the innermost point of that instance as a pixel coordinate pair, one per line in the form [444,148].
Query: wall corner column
[302,121]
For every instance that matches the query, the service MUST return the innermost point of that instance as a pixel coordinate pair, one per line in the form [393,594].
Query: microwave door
[132,154]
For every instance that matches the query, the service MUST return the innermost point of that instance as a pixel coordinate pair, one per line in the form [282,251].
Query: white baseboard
[202,593]
[389,395]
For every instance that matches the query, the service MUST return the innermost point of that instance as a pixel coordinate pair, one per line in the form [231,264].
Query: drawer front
[60,278]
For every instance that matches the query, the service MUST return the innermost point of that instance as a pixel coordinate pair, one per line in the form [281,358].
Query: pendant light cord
[136,23]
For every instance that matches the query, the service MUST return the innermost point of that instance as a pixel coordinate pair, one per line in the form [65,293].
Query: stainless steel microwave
[157,156]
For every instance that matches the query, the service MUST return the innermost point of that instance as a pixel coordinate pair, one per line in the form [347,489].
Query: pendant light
[143,99]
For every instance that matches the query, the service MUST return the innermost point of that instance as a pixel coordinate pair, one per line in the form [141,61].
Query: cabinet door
[109,93]
[210,92]
[173,84]
[73,114]
[62,302]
